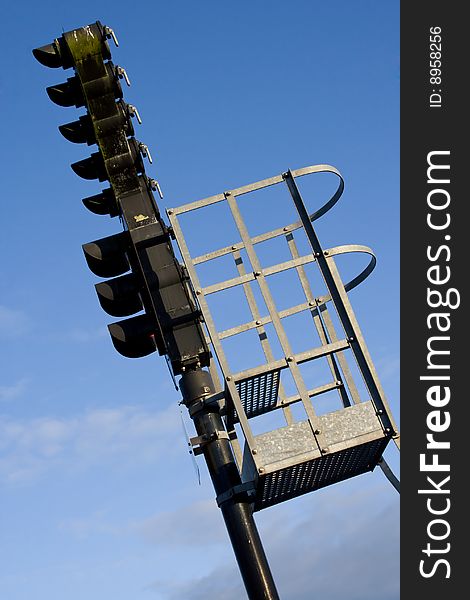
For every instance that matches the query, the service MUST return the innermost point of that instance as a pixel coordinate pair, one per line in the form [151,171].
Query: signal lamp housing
[120,296]
[102,204]
[107,257]
[135,337]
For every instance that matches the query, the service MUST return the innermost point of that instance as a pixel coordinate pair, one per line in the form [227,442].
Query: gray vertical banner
[434,326]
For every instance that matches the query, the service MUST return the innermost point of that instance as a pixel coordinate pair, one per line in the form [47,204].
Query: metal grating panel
[258,394]
[302,478]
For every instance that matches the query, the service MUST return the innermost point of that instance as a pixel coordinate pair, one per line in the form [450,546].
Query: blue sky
[99,495]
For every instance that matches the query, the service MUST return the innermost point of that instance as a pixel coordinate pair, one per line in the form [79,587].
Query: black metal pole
[234,504]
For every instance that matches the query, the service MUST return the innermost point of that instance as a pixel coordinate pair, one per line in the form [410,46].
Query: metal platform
[313,450]
[288,464]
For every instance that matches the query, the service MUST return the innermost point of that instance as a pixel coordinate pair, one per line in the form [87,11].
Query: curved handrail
[350,248]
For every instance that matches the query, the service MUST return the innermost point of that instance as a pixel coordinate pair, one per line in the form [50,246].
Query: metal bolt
[325,450]
[257,273]
[261,470]
[339,382]
[285,229]
[170,211]
[228,378]
[387,430]
[318,300]
[311,303]
[351,339]
[198,292]
[228,193]
[317,254]
[234,247]
[258,322]
[317,431]
[380,412]
[290,358]
[326,253]
[254,451]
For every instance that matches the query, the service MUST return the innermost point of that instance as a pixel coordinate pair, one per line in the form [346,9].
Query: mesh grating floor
[302,478]
[258,394]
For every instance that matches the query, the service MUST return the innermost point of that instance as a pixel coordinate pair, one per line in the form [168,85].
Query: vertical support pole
[234,503]
[345,313]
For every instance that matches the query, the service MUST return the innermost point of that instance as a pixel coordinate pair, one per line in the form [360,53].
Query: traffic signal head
[135,337]
[54,55]
[83,130]
[145,275]
[68,93]
[102,204]
[123,295]
[79,132]
[95,167]
[59,54]
[120,297]
[92,167]
[107,257]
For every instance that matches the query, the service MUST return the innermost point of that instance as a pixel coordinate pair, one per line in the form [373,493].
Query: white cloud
[125,435]
[198,524]
[10,392]
[84,527]
[13,323]
[194,525]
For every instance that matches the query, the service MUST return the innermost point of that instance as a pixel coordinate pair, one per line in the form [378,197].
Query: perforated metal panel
[314,474]
[258,394]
